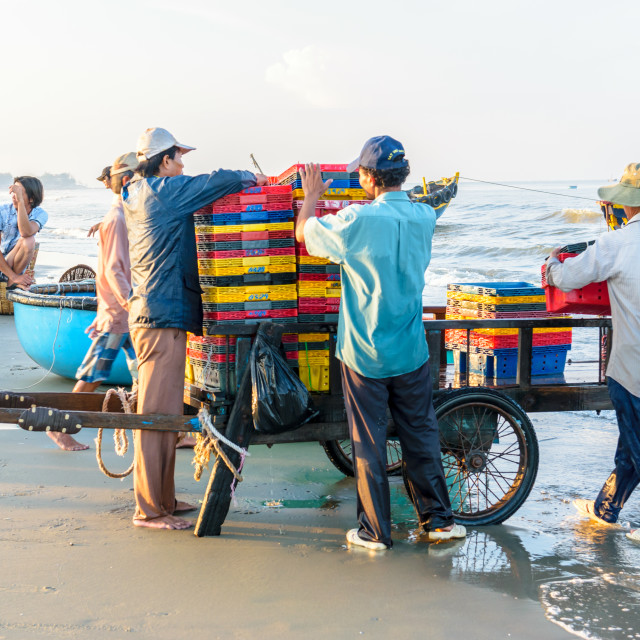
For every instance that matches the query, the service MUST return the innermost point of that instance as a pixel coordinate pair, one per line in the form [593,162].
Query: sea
[585,577]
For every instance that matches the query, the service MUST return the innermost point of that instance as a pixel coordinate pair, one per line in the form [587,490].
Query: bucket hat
[627,191]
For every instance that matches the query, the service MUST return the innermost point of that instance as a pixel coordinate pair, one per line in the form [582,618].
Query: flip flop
[436,535]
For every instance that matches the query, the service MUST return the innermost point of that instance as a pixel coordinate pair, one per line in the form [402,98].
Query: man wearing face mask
[166,303]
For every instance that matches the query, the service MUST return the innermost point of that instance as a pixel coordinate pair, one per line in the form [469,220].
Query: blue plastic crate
[549,361]
[497,288]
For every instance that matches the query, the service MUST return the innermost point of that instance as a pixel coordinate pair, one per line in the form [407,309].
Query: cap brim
[620,194]
[184,147]
[354,165]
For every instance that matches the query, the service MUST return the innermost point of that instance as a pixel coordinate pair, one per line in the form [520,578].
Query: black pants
[409,398]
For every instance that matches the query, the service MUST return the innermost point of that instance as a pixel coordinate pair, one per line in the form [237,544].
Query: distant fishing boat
[51,320]
[437,193]
[573,186]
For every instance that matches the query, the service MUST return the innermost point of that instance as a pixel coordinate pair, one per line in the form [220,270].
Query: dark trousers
[409,398]
[625,477]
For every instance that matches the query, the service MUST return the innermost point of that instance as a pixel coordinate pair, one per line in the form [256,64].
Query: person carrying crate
[615,257]
[383,250]
[165,303]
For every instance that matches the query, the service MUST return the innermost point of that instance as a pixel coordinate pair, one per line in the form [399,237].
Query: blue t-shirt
[383,250]
[9,225]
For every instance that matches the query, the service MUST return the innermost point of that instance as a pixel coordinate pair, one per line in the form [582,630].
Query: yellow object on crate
[312,260]
[473,297]
[335,194]
[240,271]
[315,378]
[313,337]
[210,267]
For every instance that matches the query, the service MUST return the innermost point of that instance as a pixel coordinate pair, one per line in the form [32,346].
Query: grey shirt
[615,257]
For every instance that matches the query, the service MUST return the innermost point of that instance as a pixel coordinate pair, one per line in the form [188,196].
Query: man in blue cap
[383,250]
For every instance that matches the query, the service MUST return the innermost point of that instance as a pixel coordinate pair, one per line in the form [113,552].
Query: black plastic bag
[279,400]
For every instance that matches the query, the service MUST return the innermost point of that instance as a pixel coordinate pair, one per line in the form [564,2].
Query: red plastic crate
[204,211]
[234,208]
[590,300]
[511,341]
[323,277]
[323,167]
[210,357]
[219,342]
[256,313]
[244,235]
[246,253]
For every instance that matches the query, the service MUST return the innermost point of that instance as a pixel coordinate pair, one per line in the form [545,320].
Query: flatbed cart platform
[488,444]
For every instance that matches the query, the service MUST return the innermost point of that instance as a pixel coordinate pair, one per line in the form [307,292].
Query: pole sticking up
[255,163]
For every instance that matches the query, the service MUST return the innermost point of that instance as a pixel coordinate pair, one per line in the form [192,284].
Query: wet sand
[73,566]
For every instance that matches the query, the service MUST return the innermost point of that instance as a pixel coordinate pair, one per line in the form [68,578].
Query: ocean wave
[66,233]
[573,216]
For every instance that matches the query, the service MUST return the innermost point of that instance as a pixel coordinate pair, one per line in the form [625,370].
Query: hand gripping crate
[592,299]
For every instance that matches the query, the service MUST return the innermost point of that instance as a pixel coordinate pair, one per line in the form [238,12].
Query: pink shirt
[113,280]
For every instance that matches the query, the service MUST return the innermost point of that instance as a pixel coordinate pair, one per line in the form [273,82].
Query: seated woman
[20,220]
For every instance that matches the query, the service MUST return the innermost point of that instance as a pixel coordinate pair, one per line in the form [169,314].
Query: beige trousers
[161,356]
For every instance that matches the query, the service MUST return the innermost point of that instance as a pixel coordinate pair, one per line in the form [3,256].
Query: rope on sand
[119,435]
[212,440]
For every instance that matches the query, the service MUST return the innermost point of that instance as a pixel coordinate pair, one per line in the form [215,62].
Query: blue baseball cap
[381,153]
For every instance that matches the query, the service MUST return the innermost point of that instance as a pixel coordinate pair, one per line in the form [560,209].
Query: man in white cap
[615,257]
[110,330]
[166,303]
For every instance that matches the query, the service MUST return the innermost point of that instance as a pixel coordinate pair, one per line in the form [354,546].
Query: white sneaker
[354,538]
[587,509]
[457,532]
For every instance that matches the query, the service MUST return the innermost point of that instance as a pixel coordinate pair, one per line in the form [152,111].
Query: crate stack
[493,353]
[247,269]
[318,279]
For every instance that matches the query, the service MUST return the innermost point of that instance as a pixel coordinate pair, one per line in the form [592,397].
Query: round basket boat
[51,320]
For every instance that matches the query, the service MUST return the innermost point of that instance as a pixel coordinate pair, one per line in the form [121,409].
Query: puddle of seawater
[322,502]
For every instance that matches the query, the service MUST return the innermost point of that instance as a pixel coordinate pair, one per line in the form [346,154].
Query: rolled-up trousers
[626,475]
[161,357]
[409,399]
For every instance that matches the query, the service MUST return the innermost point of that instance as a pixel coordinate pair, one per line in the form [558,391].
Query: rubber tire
[343,463]
[446,195]
[446,402]
[454,189]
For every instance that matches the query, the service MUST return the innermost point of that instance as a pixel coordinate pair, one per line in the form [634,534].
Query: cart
[488,443]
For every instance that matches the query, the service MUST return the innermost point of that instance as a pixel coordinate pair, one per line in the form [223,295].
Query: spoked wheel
[489,453]
[339,452]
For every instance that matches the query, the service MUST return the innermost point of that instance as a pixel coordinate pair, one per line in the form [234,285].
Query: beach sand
[73,566]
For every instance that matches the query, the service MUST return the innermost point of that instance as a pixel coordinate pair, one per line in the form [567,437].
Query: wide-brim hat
[627,191]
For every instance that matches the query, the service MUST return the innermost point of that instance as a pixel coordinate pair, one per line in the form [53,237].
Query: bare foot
[67,442]
[183,506]
[164,522]
[186,442]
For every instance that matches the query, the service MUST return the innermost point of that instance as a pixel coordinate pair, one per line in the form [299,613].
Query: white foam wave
[66,232]
[575,216]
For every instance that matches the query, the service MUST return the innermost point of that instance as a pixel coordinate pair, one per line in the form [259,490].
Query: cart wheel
[489,453]
[339,452]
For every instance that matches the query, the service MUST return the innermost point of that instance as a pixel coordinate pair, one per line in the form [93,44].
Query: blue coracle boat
[51,322]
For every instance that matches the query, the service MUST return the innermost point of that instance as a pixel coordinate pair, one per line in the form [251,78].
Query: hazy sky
[497,89]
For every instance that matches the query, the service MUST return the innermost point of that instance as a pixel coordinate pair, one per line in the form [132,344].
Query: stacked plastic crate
[319,287]
[247,267]
[493,353]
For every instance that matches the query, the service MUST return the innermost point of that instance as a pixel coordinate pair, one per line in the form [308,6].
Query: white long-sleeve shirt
[615,257]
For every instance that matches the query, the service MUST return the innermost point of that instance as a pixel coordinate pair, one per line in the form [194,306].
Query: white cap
[155,140]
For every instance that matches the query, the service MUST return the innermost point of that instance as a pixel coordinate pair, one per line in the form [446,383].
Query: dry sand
[73,566]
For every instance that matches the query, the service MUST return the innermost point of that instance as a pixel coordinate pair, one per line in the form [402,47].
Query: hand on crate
[555,253]
[261,180]
[312,183]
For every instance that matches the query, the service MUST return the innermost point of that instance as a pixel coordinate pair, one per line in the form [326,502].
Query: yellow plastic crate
[512,332]
[335,194]
[472,297]
[216,267]
[313,337]
[320,293]
[312,260]
[239,271]
[313,358]
[242,294]
[311,285]
[315,378]
[238,228]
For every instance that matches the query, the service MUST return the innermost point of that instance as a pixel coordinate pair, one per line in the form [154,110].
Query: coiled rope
[119,435]
[210,439]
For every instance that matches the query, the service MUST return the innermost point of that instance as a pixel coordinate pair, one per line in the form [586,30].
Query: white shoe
[354,538]
[587,509]
[457,532]
[634,535]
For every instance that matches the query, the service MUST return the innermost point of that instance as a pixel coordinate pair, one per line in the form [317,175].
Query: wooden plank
[525,351]
[561,397]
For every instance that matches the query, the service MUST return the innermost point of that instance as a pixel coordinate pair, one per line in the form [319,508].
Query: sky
[495,89]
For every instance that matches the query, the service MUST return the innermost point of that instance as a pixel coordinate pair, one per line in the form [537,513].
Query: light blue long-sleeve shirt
[383,250]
